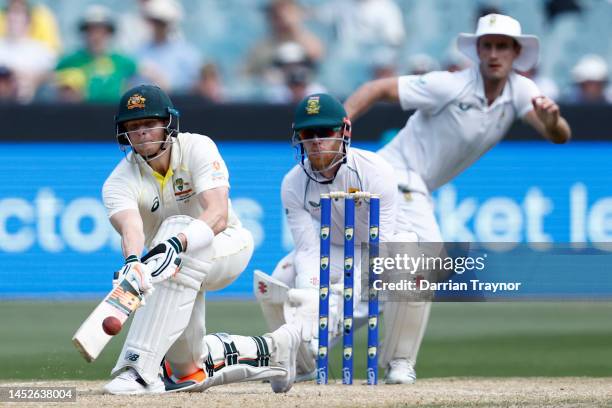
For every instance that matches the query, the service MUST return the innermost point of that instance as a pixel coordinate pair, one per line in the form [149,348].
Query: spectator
[107,73]
[70,85]
[30,60]
[454,60]
[167,61]
[8,86]
[590,77]
[209,86]
[133,29]
[384,64]
[546,84]
[555,8]
[298,75]
[42,24]
[360,24]
[285,22]
[420,64]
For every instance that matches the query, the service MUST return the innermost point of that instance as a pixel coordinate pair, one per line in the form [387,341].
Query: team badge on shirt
[313,106]
[136,101]
[182,190]
[178,184]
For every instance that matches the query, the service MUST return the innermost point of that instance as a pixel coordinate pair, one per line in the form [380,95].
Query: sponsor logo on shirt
[155,205]
[314,204]
[464,106]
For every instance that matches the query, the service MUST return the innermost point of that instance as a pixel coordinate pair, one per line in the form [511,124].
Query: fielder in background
[170,195]
[321,137]
[459,117]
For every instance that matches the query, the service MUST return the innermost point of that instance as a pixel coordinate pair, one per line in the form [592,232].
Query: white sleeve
[119,193]
[525,91]
[207,167]
[299,220]
[426,92]
[305,236]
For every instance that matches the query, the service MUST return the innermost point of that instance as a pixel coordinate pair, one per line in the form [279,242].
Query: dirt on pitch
[445,392]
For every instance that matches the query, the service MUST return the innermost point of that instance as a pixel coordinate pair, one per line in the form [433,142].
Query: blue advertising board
[56,241]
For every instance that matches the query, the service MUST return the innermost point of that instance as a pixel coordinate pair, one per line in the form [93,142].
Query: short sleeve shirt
[196,166]
[453,124]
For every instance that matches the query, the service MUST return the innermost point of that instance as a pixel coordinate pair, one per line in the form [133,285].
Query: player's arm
[547,120]
[214,213]
[129,225]
[304,233]
[366,95]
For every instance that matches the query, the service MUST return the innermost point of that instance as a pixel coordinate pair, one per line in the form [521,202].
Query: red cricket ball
[111,325]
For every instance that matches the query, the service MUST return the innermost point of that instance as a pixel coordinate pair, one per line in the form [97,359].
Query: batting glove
[136,273]
[163,260]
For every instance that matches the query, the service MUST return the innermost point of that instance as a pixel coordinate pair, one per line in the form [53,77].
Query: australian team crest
[324,262]
[179,184]
[373,232]
[313,106]
[323,322]
[348,263]
[372,322]
[136,101]
[324,232]
[348,293]
[323,292]
[348,233]
[322,351]
[372,293]
[348,352]
[348,324]
[372,352]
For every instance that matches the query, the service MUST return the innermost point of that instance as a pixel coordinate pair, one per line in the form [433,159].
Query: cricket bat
[90,339]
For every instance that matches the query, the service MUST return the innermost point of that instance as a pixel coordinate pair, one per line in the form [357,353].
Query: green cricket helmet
[142,102]
[320,116]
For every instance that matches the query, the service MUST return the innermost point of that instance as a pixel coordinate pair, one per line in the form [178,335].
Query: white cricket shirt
[363,171]
[195,166]
[453,125]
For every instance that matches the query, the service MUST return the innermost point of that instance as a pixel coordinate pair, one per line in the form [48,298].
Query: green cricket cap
[319,110]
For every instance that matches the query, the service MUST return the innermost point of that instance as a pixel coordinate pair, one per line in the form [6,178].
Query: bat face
[90,339]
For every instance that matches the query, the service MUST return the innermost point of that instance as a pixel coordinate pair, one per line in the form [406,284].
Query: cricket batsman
[459,117]
[170,195]
[327,163]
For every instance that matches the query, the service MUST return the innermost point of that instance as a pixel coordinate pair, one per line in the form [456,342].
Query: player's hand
[136,273]
[163,261]
[302,308]
[547,111]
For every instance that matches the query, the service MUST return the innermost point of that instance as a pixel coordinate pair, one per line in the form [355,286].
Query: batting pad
[404,326]
[158,324]
[233,358]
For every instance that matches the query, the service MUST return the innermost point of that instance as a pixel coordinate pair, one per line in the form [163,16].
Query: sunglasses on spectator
[310,133]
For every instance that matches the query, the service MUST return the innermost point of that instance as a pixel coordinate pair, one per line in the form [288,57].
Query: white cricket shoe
[400,371]
[286,341]
[130,383]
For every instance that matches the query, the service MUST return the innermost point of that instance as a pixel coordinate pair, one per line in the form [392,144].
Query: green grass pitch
[462,339]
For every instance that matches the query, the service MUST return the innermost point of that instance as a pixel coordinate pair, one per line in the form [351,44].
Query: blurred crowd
[149,45]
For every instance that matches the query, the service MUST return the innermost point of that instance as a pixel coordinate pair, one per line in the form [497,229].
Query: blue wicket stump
[348,290]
